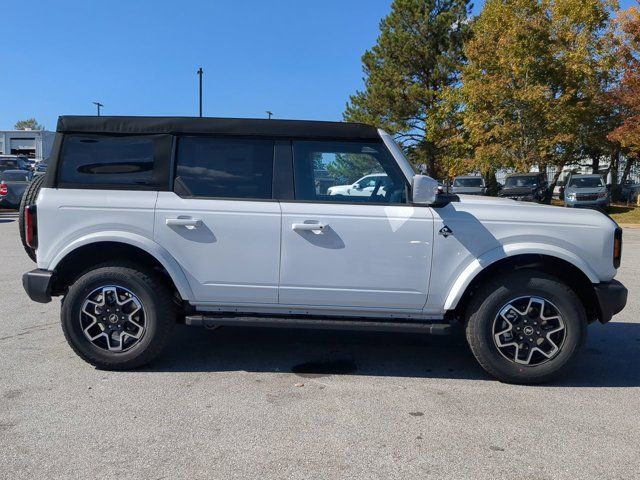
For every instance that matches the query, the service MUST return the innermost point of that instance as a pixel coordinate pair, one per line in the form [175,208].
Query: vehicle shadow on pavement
[610,358]
[317,353]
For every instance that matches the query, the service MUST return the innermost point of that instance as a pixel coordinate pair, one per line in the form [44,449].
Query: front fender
[477,265]
[152,248]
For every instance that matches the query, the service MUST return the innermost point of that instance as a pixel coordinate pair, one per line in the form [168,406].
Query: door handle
[309,227]
[183,222]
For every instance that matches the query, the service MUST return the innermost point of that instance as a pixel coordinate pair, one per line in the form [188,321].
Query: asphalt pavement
[300,404]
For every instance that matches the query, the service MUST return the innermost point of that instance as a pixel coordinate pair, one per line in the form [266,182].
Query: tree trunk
[543,167]
[556,176]
[432,162]
[491,182]
[613,169]
[627,169]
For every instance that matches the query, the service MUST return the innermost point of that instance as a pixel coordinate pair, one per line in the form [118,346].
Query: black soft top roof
[216,126]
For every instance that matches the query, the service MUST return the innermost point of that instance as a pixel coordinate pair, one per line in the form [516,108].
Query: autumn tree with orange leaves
[534,82]
[626,96]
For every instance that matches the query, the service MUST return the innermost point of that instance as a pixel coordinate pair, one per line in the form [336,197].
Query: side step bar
[424,327]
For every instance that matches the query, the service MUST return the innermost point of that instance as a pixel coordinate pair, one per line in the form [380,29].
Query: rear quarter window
[128,162]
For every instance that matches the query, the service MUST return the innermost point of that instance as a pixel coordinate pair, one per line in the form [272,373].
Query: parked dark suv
[528,187]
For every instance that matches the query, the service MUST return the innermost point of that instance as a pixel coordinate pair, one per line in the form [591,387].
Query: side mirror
[424,190]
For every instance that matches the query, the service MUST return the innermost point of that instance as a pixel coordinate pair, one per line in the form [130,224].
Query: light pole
[200,72]
[270,114]
[98,105]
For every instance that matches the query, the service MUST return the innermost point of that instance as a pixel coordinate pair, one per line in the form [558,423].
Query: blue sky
[297,58]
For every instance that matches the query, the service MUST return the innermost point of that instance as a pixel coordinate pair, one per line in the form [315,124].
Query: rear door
[366,252]
[220,222]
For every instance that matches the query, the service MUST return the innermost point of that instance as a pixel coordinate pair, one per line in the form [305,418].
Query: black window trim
[283,181]
[53,175]
[283,171]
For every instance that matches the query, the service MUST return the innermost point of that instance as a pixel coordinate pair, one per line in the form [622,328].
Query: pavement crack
[29,330]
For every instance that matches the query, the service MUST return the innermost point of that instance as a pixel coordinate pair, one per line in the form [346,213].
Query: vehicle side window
[115,161]
[224,168]
[350,172]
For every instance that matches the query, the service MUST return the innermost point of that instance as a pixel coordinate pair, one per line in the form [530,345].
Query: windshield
[528,181]
[586,182]
[15,176]
[468,182]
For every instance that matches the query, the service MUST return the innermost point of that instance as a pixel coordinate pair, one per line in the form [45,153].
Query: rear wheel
[118,317]
[29,198]
[525,327]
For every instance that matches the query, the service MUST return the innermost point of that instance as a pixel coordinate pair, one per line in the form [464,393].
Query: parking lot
[259,403]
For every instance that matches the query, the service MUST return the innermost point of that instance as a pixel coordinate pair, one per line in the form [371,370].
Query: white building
[30,143]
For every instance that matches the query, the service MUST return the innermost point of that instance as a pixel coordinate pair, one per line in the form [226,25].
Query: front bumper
[602,204]
[612,298]
[520,198]
[37,283]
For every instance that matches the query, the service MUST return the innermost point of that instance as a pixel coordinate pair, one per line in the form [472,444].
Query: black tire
[488,302]
[29,198]
[159,316]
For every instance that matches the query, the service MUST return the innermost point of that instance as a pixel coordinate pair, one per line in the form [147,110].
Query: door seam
[280,257]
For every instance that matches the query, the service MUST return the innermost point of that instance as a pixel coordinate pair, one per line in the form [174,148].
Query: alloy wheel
[113,318]
[529,330]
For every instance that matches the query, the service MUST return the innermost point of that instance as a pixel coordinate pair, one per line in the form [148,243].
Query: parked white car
[141,222]
[363,187]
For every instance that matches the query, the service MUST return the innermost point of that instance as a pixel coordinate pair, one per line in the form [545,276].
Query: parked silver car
[587,191]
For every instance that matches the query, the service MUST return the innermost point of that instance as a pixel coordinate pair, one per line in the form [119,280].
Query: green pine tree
[411,78]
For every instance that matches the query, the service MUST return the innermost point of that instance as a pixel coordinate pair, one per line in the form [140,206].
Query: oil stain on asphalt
[321,369]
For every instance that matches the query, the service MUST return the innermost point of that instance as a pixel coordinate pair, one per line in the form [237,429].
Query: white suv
[362,187]
[141,223]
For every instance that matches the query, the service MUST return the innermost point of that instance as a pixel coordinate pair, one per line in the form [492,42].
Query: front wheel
[525,327]
[118,317]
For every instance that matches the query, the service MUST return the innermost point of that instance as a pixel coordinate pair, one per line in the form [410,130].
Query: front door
[364,251]
[220,222]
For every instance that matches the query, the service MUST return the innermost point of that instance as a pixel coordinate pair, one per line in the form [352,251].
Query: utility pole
[270,114]
[200,72]
[98,105]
